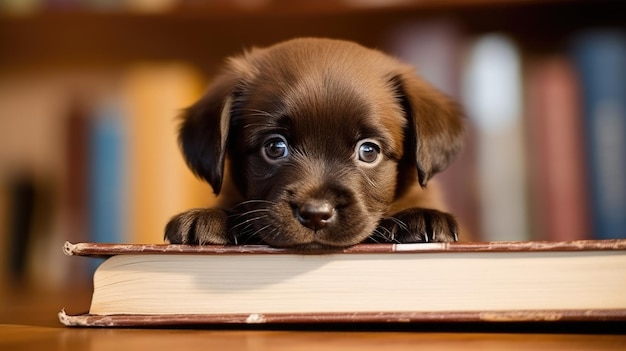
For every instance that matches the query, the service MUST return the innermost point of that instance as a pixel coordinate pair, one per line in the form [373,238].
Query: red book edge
[90,320]
[104,249]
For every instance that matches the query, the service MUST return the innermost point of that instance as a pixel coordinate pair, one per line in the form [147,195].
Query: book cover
[533,281]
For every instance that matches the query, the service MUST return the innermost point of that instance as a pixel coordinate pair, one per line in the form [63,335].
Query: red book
[559,204]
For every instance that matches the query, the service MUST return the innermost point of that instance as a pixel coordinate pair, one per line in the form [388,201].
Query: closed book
[148,285]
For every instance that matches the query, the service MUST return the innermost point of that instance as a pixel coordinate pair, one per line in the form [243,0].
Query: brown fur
[323,98]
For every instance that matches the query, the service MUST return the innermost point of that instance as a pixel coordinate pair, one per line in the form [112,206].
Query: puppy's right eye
[367,152]
[275,148]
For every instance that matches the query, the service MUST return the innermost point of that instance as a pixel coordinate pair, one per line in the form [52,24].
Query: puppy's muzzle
[314,214]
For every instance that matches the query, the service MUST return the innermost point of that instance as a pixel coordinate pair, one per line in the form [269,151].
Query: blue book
[601,59]
[106,175]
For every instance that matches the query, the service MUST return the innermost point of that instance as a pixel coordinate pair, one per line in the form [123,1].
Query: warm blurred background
[89,92]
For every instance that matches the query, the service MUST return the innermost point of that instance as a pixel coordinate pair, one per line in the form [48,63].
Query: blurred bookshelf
[203,32]
[77,76]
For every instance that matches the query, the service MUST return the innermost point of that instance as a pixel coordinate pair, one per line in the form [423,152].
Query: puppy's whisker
[380,232]
[255,201]
[245,231]
[400,224]
[248,221]
[253,238]
[243,214]
[386,234]
[243,235]
[273,233]
[379,235]
[371,237]
[383,232]
[260,230]
[259,201]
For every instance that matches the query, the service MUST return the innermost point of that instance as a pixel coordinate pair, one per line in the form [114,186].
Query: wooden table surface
[28,322]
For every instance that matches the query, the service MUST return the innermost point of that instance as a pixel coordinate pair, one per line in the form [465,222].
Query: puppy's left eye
[368,151]
[275,148]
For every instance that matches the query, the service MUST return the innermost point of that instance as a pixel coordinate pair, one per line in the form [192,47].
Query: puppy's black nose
[315,214]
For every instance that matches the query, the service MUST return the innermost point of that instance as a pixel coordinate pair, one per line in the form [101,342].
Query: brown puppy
[317,144]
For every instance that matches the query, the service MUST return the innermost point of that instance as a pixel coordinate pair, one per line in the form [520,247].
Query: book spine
[601,59]
[557,167]
[106,181]
[431,47]
[434,48]
[22,198]
[160,183]
[75,209]
[491,92]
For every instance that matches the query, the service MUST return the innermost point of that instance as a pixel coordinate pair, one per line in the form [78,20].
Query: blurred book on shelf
[77,153]
[101,146]
[559,198]
[160,184]
[491,93]
[107,186]
[34,106]
[22,200]
[435,49]
[600,56]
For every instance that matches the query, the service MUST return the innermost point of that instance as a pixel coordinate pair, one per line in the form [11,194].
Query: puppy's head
[321,136]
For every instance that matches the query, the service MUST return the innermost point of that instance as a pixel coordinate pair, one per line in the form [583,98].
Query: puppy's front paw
[197,227]
[417,225]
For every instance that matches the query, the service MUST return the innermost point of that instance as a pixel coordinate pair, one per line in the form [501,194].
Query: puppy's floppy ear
[204,130]
[434,132]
